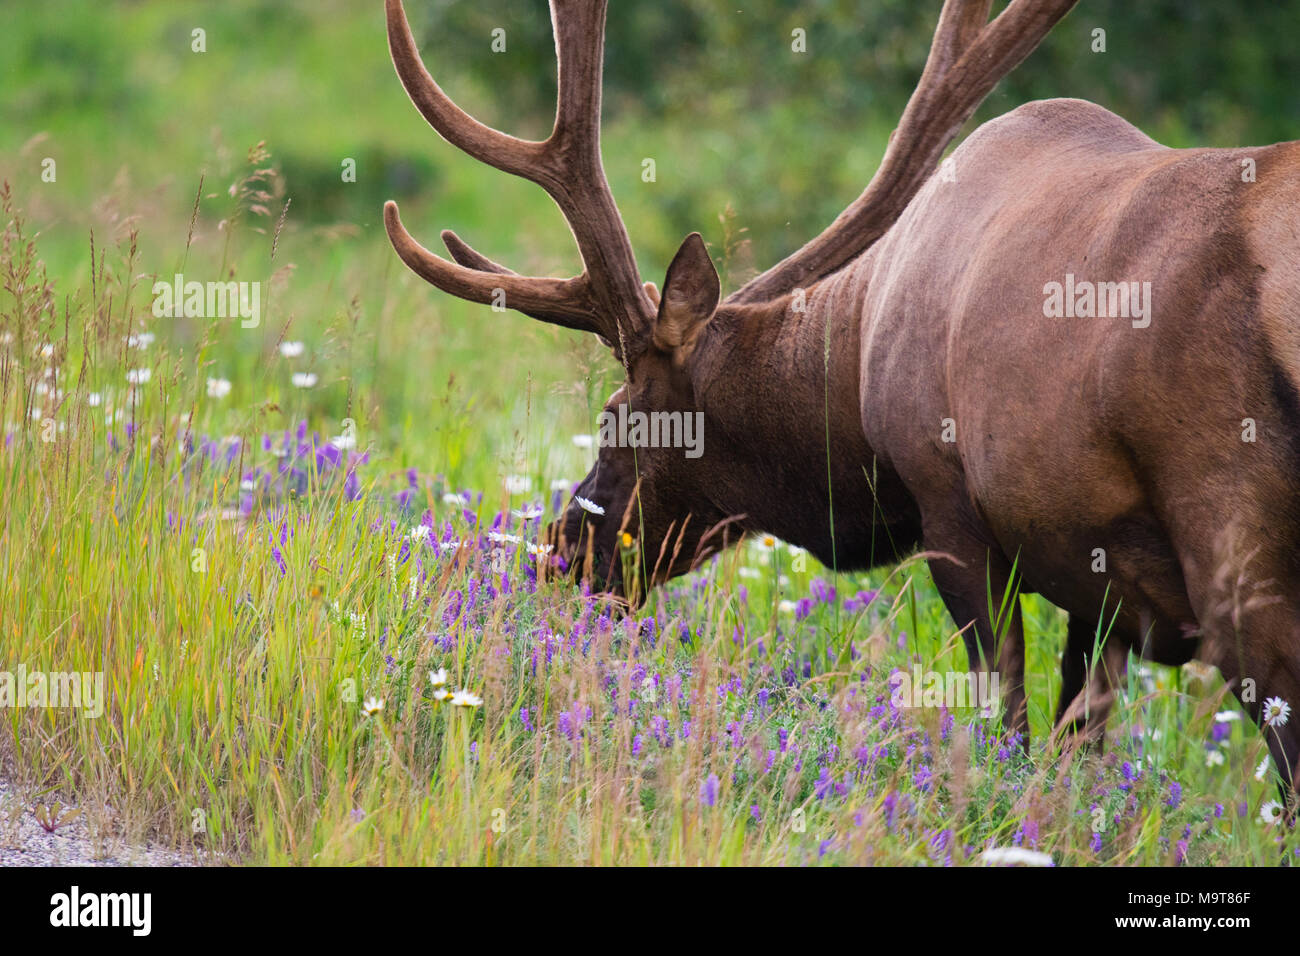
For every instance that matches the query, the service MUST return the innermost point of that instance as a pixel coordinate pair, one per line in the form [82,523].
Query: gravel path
[24,842]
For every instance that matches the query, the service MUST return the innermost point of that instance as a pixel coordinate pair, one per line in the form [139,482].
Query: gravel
[24,842]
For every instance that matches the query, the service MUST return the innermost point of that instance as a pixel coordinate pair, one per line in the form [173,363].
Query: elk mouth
[579,554]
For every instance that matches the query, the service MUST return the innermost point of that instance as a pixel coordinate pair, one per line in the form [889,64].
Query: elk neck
[778,384]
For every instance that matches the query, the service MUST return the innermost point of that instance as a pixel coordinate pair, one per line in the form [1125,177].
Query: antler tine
[558,301]
[579,29]
[607,298]
[507,153]
[967,58]
[466,255]
[583,193]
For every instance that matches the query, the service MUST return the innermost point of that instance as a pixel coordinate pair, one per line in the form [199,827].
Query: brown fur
[1071,433]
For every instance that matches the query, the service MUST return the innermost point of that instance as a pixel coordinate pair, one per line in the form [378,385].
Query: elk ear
[690,296]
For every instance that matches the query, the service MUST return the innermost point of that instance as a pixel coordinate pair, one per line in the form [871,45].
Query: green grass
[235,689]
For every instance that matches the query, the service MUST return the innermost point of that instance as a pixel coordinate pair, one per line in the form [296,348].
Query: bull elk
[939,369]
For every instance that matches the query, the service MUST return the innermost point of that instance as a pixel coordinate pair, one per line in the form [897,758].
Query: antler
[607,298]
[968,56]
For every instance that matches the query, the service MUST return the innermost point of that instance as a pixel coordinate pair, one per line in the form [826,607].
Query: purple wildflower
[709,790]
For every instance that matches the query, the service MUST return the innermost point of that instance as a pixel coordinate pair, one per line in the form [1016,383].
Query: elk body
[915,377]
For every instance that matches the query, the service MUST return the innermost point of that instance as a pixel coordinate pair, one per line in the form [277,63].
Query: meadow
[302,553]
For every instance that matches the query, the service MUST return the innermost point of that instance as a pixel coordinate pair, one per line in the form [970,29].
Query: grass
[245,596]
[245,585]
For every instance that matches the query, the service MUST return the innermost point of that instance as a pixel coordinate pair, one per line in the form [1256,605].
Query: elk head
[650,502]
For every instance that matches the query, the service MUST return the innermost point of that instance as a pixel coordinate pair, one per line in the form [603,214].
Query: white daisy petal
[586,504]
[1276,712]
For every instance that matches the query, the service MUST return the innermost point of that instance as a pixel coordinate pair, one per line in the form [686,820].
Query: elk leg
[1074,668]
[1087,692]
[959,572]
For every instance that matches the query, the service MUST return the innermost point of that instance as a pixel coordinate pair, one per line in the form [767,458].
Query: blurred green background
[755,145]
[712,92]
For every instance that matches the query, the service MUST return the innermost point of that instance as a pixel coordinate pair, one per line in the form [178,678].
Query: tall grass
[247,572]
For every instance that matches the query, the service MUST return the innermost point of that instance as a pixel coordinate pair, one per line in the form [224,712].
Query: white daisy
[518,484]
[94,399]
[1214,758]
[420,533]
[1014,856]
[141,341]
[527,514]
[786,607]
[1227,716]
[291,349]
[305,379]
[451,498]
[539,550]
[218,388]
[561,484]
[463,698]
[438,678]
[372,706]
[344,442]
[1276,712]
[1262,770]
[498,538]
[138,376]
[586,504]
[1270,813]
